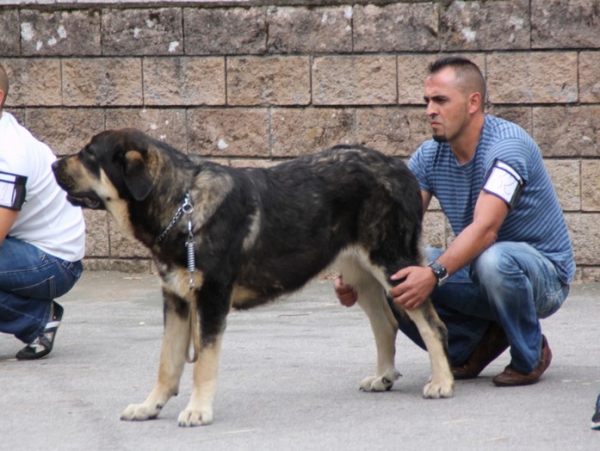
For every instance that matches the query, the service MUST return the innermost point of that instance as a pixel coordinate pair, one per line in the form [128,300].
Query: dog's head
[115,165]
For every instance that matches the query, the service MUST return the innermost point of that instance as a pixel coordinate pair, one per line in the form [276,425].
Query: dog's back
[312,208]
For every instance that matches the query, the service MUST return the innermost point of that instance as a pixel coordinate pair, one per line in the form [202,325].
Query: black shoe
[42,345]
[596,417]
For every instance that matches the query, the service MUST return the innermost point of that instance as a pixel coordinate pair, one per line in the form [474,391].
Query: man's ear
[474,102]
[138,173]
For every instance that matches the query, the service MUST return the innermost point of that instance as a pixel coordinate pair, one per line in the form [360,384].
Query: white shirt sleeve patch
[505,182]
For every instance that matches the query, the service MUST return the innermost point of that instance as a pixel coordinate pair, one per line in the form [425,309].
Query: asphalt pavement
[288,380]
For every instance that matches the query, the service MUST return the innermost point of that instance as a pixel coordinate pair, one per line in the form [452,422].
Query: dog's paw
[379,383]
[140,412]
[190,418]
[436,390]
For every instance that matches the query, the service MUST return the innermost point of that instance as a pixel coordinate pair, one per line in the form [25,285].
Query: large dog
[225,237]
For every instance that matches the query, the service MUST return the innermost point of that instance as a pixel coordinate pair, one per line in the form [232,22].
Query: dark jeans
[29,280]
[510,283]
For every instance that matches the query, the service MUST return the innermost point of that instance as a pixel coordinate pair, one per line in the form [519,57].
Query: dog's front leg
[172,361]
[199,409]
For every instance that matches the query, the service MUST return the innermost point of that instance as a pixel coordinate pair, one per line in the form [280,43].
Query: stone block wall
[252,82]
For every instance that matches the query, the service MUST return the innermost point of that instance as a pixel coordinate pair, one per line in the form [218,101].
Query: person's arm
[7,219]
[418,282]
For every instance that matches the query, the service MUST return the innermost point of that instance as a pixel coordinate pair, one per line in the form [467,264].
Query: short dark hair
[465,69]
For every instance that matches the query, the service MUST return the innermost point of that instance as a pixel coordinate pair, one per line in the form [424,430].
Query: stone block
[532,77]
[309,30]
[368,80]
[102,82]
[96,233]
[10,37]
[268,81]
[166,125]
[434,230]
[60,33]
[565,175]
[590,185]
[228,132]
[142,31]
[247,163]
[565,24]
[65,130]
[585,235]
[231,31]
[184,81]
[520,115]
[411,27]
[589,81]
[33,82]
[393,131]
[412,71]
[485,25]
[305,131]
[567,131]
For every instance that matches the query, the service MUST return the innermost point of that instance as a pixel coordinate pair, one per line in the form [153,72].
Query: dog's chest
[182,282]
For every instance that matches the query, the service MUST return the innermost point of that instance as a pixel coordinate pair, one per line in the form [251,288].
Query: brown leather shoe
[493,343]
[511,378]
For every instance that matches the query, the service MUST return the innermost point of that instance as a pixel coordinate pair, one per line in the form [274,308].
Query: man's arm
[7,219]
[419,282]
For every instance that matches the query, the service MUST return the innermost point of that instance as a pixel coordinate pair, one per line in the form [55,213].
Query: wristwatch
[440,272]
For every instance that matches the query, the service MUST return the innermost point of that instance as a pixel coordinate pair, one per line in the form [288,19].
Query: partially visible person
[511,262]
[596,417]
[42,238]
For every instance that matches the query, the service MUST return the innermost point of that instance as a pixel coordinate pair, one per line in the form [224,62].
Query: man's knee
[493,264]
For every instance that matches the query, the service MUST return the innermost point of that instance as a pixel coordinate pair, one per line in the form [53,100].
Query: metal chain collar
[186,207]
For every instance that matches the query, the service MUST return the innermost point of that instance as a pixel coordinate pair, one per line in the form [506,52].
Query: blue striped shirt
[536,219]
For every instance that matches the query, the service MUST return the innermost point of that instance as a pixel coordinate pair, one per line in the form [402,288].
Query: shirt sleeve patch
[505,182]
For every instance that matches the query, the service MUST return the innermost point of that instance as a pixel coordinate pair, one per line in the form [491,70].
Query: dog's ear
[138,173]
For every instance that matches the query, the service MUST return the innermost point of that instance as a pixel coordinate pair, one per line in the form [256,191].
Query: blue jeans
[511,284]
[29,280]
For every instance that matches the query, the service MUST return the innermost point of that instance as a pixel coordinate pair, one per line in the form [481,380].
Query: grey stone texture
[60,33]
[314,30]
[398,27]
[256,84]
[142,31]
[231,31]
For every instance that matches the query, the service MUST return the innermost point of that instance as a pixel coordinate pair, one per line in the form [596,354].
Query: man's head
[3,87]
[455,94]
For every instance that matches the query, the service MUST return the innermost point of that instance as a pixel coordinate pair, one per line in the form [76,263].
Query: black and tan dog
[225,237]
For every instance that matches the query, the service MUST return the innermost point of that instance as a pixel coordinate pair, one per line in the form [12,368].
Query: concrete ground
[288,380]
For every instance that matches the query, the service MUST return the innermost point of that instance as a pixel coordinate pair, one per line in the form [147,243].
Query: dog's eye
[87,153]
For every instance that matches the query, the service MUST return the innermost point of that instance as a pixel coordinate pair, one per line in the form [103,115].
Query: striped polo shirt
[536,218]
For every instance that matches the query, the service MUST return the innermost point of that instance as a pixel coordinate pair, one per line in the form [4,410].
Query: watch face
[440,272]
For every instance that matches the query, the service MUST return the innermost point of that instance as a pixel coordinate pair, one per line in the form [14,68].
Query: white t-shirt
[46,220]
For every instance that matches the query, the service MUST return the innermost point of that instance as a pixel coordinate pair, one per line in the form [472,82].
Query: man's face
[446,105]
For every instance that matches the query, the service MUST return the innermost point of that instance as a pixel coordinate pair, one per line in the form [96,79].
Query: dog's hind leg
[434,334]
[172,361]
[371,298]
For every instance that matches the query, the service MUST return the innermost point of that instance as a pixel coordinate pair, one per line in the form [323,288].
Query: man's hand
[417,284]
[346,294]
